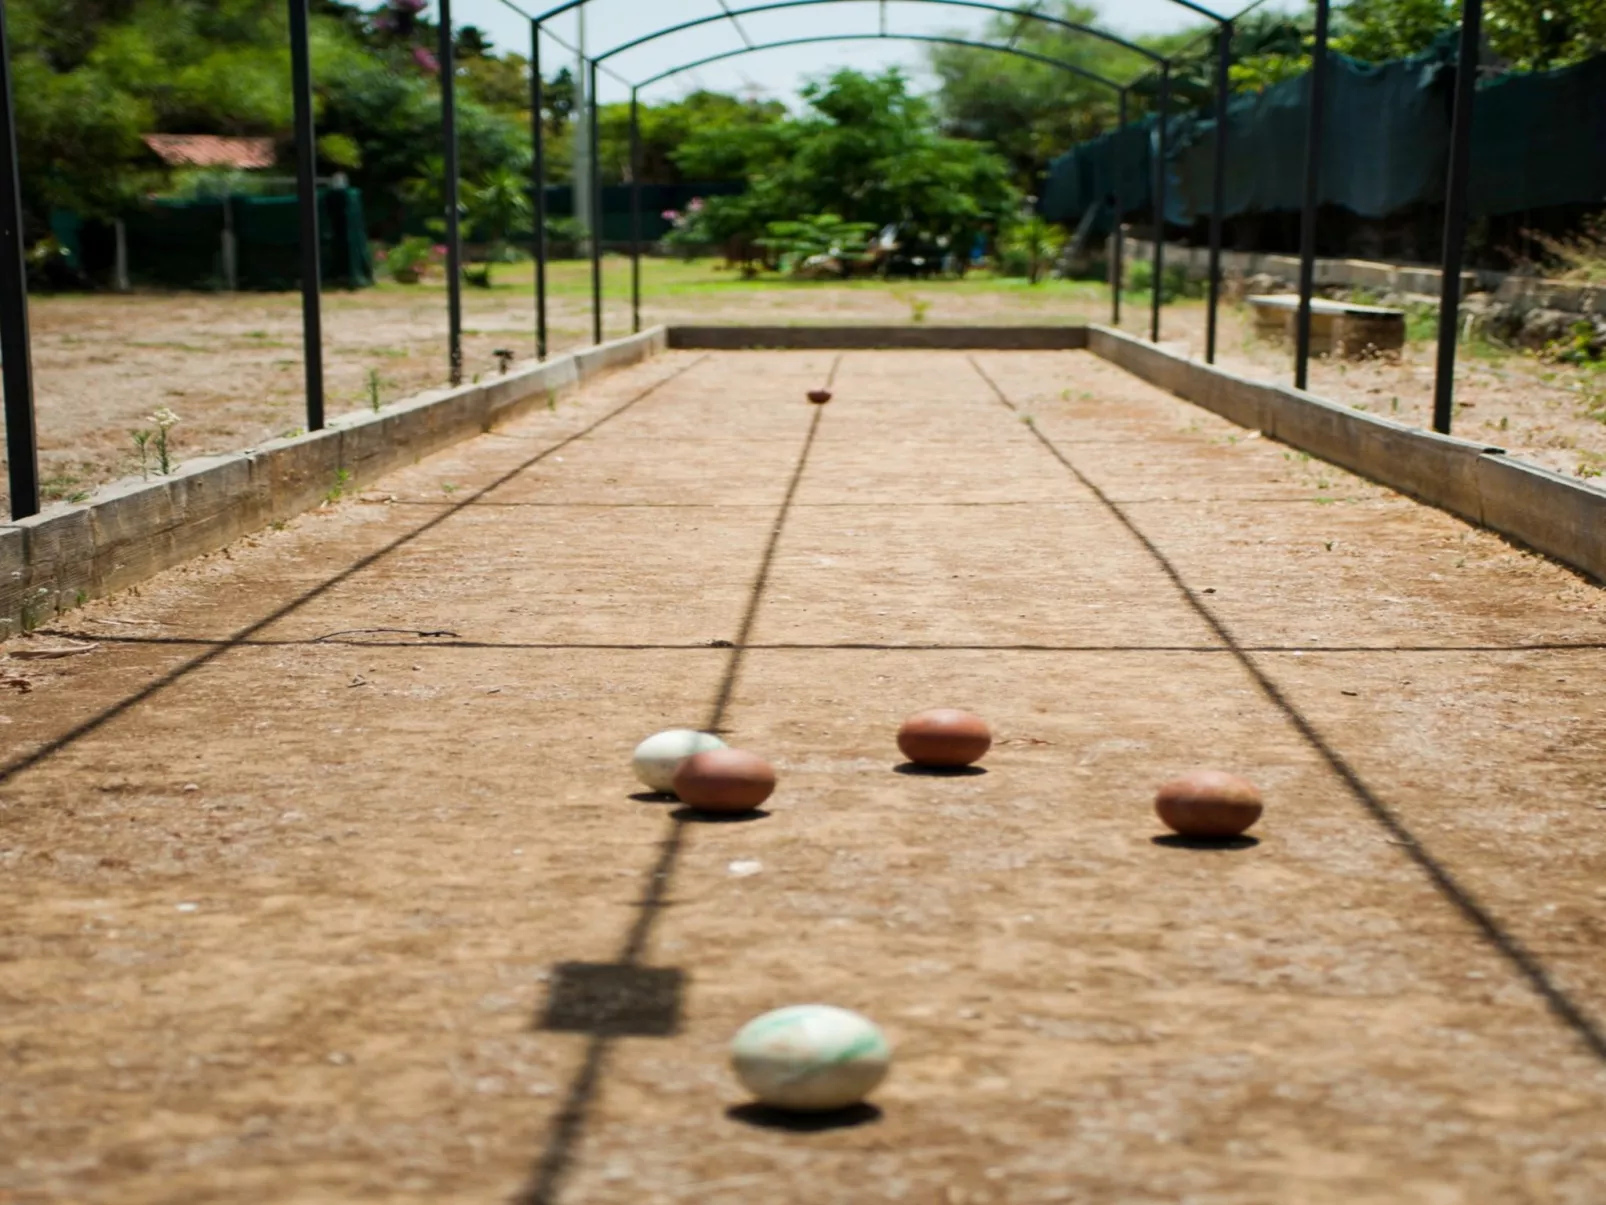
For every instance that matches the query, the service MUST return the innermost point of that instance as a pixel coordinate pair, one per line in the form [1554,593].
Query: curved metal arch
[731,14]
[635,220]
[1058,64]
[1201,10]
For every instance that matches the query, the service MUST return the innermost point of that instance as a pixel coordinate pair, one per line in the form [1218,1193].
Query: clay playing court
[325,878]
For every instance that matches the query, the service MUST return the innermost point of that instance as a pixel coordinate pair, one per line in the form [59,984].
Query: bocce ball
[944,736]
[810,1057]
[724,780]
[658,757]
[1208,803]
[819,396]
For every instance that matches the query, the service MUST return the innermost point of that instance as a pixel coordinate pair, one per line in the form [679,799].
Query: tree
[868,151]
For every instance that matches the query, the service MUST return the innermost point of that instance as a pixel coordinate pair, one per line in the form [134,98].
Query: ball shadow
[691,815]
[1178,841]
[915,769]
[655,797]
[767,1117]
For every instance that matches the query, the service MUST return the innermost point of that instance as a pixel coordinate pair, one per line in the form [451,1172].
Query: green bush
[1177,285]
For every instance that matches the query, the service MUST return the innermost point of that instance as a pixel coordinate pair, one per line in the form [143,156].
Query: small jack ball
[944,736]
[724,780]
[1208,803]
[819,396]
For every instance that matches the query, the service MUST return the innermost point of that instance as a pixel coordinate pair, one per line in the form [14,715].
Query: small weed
[1330,544]
[338,490]
[142,440]
[1585,469]
[1505,420]
[450,487]
[1461,563]
[552,400]
[373,389]
[919,307]
[165,421]
[476,379]
[1394,405]
[80,598]
[292,433]
[79,496]
[279,524]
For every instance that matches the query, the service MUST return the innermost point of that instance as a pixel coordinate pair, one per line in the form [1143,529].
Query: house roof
[211,150]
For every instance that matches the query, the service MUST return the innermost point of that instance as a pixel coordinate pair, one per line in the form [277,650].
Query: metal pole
[1118,246]
[596,215]
[1218,198]
[1159,202]
[22,443]
[1455,211]
[1314,128]
[307,204]
[454,239]
[635,217]
[538,181]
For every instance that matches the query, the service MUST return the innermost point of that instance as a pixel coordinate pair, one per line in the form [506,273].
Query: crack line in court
[17,765]
[568,1126]
[1528,965]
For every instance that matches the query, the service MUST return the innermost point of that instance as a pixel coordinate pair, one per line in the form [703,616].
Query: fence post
[22,443]
[307,207]
[454,234]
[1218,185]
[1158,260]
[1118,239]
[635,216]
[596,209]
[1455,211]
[1315,122]
[538,180]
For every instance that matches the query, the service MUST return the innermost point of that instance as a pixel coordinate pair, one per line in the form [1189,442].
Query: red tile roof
[211,150]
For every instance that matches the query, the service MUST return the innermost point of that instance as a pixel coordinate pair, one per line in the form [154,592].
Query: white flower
[164,418]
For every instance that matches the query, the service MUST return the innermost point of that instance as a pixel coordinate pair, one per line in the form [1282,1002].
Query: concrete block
[1552,514]
[614,354]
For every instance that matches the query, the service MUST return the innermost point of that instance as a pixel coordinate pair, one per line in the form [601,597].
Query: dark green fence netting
[179,244]
[1538,140]
[656,200]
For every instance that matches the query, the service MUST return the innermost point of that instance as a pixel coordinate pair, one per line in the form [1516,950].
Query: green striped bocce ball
[812,1057]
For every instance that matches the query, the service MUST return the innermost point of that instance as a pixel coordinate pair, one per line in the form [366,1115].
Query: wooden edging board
[129,530]
[876,338]
[1552,514]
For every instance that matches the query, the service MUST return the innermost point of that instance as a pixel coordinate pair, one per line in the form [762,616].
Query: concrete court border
[130,530]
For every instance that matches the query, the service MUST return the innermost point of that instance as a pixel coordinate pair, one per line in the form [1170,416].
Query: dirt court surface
[230,364]
[299,860]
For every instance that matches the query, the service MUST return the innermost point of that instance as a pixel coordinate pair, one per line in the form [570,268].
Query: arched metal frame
[635,136]
[733,16]
[21,432]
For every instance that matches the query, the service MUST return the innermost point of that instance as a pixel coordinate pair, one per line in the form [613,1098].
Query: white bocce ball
[658,757]
[810,1056]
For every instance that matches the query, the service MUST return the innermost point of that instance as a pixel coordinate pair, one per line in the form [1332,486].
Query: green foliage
[817,237]
[1175,285]
[868,151]
[1029,247]
[409,259]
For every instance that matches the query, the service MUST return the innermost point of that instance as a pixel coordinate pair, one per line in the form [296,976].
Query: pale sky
[776,73]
